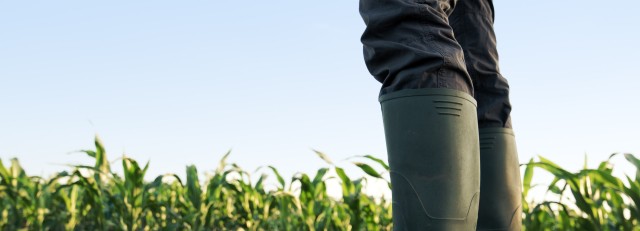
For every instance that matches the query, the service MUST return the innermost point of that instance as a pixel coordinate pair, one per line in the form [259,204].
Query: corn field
[93,197]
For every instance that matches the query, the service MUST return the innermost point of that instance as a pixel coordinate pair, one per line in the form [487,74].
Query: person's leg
[472,23]
[408,44]
[428,111]
[500,193]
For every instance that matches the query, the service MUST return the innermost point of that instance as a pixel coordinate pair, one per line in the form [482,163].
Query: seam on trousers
[473,72]
[428,40]
[468,63]
[462,23]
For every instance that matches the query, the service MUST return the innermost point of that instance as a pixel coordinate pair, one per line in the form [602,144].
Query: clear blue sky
[181,82]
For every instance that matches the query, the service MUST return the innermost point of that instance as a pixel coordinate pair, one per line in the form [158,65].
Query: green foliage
[96,198]
[590,199]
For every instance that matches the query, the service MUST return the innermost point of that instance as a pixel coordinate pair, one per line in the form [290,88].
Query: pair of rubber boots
[446,173]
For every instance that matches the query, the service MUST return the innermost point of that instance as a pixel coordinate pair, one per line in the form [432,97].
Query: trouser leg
[500,192]
[409,44]
[472,22]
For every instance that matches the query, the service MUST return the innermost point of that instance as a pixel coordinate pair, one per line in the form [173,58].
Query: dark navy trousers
[411,44]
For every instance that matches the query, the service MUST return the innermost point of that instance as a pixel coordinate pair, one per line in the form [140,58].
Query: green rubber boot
[433,151]
[500,190]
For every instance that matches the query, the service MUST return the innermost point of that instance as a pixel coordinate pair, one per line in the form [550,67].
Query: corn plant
[94,197]
[590,199]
